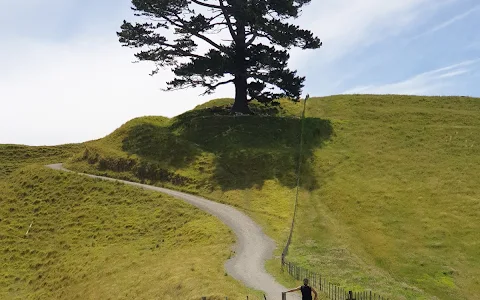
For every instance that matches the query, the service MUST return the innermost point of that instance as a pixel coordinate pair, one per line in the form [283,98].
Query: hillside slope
[100,240]
[390,190]
[13,157]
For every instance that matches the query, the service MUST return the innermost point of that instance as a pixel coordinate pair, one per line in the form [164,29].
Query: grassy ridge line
[13,157]
[92,239]
[382,178]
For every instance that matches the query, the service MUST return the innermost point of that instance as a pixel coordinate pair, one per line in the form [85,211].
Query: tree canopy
[254,58]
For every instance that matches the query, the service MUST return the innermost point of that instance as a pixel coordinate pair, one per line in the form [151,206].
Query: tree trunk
[241,104]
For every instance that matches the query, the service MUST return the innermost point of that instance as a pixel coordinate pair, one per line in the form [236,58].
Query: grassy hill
[92,239]
[390,196]
[13,157]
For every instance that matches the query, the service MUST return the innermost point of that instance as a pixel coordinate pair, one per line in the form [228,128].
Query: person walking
[306,291]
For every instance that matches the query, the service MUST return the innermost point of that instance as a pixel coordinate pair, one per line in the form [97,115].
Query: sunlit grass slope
[92,239]
[13,157]
[390,184]
[400,199]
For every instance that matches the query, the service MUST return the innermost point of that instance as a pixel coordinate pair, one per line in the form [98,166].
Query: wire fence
[331,290]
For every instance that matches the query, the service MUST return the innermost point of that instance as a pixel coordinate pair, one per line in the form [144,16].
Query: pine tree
[254,59]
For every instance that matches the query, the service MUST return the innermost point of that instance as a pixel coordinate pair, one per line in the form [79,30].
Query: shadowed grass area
[389,197]
[220,147]
[92,239]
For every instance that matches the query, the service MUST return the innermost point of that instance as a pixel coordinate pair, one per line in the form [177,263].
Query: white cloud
[430,82]
[81,90]
[448,22]
[346,25]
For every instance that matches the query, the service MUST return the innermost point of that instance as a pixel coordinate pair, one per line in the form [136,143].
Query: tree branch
[214,86]
[211,87]
[229,22]
[183,52]
[252,39]
[206,4]
[185,27]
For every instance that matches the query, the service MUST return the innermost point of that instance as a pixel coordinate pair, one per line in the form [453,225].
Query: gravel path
[252,248]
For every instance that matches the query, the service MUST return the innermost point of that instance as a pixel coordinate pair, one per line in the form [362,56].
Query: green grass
[92,239]
[13,157]
[390,189]
[400,200]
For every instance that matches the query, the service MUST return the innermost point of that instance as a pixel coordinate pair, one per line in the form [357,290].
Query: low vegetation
[389,192]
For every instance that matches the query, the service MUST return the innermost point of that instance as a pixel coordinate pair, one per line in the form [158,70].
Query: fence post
[284,296]
[350,295]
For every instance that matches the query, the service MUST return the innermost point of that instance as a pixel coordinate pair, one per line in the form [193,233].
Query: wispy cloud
[473,46]
[347,25]
[449,22]
[430,82]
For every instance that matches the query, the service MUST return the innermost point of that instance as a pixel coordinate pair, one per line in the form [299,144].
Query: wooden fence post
[350,296]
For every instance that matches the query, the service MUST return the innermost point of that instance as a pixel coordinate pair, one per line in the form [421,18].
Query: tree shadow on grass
[252,149]
[248,149]
[157,143]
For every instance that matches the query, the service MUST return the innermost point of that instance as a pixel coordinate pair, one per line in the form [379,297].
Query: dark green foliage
[255,59]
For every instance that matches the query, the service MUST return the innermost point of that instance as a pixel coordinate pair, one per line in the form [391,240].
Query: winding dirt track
[252,248]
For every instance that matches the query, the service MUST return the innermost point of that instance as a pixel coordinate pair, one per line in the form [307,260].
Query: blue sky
[65,78]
